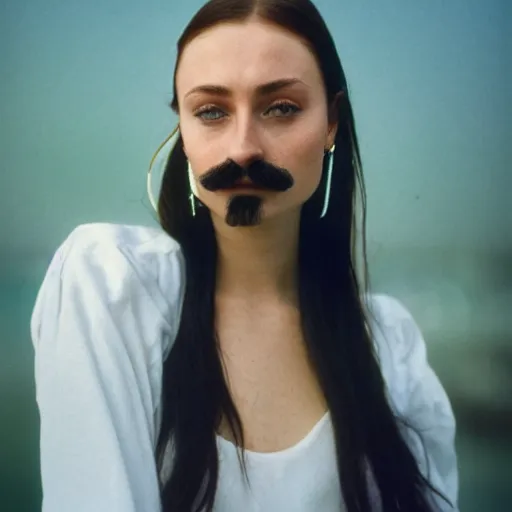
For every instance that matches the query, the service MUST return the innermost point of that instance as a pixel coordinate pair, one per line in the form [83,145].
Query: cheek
[306,163]
[300,150]
[200,152]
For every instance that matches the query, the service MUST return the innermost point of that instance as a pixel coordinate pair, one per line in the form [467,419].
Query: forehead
[243,55]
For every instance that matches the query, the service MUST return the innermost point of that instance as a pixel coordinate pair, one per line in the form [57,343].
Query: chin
[269,211]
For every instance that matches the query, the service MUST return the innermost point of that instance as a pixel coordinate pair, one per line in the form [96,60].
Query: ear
[334,109]
[331,136]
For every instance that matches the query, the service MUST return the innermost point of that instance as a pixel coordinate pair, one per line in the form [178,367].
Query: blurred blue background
[83,101]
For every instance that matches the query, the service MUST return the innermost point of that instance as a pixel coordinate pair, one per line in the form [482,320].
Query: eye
[282,109]
[209,114]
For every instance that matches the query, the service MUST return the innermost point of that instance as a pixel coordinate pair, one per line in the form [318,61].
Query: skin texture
[244,124]
[265,364]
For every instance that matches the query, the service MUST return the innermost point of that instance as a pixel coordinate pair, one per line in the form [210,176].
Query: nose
[245,146]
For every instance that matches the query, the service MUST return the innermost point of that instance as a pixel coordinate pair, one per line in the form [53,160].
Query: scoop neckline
[305,441]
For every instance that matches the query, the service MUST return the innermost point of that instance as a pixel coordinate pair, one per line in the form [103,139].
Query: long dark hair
[334,319]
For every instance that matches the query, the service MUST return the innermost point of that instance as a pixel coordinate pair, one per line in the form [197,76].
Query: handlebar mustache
[261,174]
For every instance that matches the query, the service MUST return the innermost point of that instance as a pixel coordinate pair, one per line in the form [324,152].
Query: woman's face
[252,91]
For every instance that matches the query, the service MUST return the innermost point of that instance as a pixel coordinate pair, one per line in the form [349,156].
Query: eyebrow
[261,90]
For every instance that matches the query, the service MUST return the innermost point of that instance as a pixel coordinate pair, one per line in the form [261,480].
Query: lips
[245,185]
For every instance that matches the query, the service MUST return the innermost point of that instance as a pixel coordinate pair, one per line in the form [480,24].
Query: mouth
[244,185]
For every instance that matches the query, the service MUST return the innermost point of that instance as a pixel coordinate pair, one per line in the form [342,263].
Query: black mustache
[261,174]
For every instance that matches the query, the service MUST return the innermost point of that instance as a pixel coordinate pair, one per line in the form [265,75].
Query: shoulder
[139,244]
[387,310]
[131,268]
[399,345]
[392,324]
[115,254]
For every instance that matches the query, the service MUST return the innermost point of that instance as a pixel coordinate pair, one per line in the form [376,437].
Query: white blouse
[104,321]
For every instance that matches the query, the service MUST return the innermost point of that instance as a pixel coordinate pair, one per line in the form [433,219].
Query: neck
[260,262]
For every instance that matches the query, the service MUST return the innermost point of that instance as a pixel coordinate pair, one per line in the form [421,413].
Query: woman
[230,362]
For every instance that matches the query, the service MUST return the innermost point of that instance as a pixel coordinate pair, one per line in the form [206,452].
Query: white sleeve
[98,348]
[422,402]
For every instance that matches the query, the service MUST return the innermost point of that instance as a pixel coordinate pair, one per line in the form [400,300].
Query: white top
[105,319]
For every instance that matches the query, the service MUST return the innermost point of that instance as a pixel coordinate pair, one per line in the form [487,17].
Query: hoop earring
[327,197]
[169,144]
